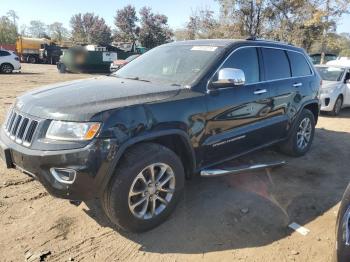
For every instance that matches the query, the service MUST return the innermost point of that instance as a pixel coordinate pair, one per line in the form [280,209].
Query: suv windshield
[174,64]
[329,73]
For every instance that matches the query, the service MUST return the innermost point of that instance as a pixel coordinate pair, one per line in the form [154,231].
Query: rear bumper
[91,164]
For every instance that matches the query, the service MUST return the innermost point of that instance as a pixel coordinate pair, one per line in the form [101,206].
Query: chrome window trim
[265,81]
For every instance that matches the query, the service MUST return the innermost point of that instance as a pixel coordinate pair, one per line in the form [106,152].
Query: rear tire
[6,68]
[302,134]
[337,106]
[132,183]
[62,68]
[31,59]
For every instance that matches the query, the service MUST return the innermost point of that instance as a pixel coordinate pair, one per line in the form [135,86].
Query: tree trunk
[325,33]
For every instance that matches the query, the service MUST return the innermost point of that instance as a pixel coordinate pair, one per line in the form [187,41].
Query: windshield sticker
[204,48]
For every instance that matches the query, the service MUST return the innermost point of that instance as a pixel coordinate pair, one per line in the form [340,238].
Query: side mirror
[228,77]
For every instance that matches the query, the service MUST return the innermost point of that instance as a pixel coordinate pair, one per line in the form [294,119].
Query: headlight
[326,91]
[61,130]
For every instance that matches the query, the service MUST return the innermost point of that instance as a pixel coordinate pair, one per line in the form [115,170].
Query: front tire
[145,188]
[337,106]
[302,134]
[6,68]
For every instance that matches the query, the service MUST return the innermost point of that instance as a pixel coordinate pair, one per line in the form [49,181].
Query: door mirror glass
[228,77]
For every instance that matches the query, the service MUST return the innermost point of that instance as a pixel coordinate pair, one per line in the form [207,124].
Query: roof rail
[254,38]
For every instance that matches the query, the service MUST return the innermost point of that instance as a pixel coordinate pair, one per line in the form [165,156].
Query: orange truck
[28,49]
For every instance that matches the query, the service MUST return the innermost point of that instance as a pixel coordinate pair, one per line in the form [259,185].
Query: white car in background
[335,89]
[9,61]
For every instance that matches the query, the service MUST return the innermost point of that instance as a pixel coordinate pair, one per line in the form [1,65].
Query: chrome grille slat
[26,131]
[11,122]
[16,125]
[7,123]
[20,128]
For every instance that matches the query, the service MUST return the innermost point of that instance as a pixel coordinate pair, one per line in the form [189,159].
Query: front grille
[20,128]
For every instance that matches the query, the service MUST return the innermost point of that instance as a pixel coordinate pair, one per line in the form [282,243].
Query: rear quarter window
[4,53]
[276,64]
[299,65]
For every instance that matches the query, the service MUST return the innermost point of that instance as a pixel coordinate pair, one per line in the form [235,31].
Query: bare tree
[125,21]
[90,29]
[57,31]
[154,28]
[37,29]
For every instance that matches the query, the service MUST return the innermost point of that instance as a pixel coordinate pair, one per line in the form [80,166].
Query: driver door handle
[260,91]
[297,84]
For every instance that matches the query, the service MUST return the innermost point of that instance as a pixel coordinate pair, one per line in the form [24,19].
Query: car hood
[330,84]
[79,100]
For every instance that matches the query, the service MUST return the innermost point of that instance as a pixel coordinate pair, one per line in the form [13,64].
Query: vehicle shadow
[24,73]
[344,113]
[255,209]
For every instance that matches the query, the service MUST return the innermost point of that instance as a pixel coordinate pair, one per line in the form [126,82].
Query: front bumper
[328,101]
[91,164]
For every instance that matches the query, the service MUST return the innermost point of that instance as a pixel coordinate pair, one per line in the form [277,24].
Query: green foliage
[125,21]
[202,24]
[58,32]
[90,29]
[149,29]
[37,29]
[8,28]
[304,23]
[154,28]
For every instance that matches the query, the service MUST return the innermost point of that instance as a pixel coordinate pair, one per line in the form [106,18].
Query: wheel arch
[176,140]
[314,107]
[6,63]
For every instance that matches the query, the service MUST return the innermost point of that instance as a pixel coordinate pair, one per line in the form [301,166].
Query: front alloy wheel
[7,68]
[304,133]
[151,191]
[145,188]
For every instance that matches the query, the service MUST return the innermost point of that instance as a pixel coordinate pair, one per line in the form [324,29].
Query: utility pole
[325,32]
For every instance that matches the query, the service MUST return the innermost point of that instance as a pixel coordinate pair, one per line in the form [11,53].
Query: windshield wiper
[136,78]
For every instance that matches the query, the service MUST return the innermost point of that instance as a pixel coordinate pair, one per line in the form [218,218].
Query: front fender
[120,151]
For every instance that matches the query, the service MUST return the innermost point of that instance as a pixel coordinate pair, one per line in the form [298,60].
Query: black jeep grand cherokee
[132,138]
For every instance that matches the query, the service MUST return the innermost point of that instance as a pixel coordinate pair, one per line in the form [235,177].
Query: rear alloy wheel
[337,106]
[145,188]
[304,133]
[6,68]
[301,136]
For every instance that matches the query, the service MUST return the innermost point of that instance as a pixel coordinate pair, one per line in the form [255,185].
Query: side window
[4,53]
[276,63]
[299,65]
[247,60]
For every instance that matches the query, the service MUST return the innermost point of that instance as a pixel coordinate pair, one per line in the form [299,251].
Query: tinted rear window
[276,64]
[4,53]
[299,65]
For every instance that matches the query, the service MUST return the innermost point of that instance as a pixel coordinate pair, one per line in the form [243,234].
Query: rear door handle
[260,91]
[297,84]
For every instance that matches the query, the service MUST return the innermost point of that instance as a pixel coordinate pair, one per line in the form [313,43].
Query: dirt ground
[234,218]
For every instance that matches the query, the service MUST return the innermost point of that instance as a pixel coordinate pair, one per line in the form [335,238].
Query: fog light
[326,101]
[63,175]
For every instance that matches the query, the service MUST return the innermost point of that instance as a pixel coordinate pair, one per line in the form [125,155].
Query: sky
[177,11]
